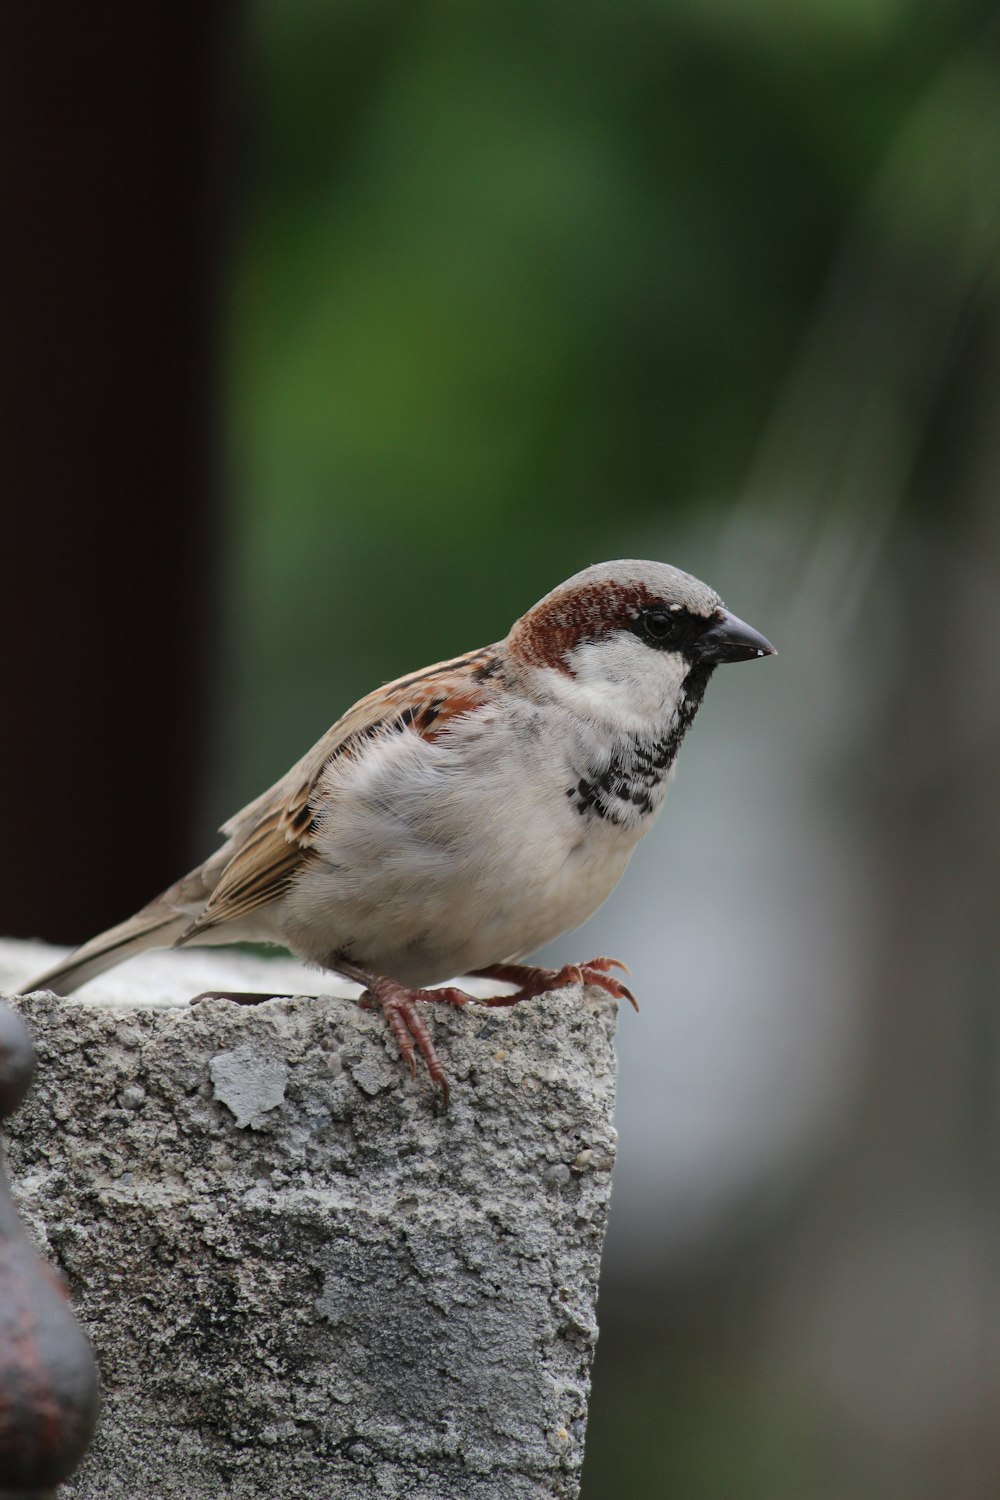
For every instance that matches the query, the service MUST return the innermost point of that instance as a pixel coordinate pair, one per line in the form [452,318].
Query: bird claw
[399,1005]
[596,972]
[604,964]
[534,981]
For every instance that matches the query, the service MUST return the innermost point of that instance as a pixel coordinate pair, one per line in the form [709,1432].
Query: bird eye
[658,624]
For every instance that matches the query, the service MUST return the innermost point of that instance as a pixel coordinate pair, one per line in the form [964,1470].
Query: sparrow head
[634,638]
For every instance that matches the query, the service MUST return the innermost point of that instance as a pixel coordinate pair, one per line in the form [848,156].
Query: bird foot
[400,1005]
[532,981]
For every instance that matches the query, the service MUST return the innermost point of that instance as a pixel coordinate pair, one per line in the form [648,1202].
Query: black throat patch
[628,787]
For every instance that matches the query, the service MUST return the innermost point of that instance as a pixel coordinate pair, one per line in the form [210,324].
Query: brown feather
[274,834]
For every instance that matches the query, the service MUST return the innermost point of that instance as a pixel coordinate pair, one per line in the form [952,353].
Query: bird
[456,819]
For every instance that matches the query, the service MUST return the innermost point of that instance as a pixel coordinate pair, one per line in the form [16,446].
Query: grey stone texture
[301,1276]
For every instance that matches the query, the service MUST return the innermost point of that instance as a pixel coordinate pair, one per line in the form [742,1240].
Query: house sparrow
[458,818]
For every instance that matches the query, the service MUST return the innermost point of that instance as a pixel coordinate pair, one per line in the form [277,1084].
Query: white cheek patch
[620,679]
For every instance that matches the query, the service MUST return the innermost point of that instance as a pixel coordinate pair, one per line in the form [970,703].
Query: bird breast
[435,857]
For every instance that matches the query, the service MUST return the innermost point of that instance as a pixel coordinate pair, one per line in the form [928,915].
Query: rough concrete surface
[300,1275]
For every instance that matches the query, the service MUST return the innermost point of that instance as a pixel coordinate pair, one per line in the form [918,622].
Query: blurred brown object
[48,1378]
[113,133]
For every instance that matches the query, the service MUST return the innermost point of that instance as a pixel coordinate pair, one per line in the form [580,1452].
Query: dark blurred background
[337,334]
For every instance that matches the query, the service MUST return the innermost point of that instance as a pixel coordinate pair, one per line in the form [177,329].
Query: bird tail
[158,925]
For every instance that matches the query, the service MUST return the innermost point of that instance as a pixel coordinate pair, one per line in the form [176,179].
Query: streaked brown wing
[274,833]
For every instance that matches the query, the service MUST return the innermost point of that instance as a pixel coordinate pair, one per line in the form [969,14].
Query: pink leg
[533,981]
[407,1025]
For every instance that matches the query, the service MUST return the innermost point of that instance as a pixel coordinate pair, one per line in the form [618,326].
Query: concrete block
[301,1276]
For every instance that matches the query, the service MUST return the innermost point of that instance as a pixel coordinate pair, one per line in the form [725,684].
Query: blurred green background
[519,288]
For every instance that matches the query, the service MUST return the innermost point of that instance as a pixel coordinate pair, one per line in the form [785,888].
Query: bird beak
[730,639]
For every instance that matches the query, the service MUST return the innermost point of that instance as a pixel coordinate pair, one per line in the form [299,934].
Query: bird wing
[272,837]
